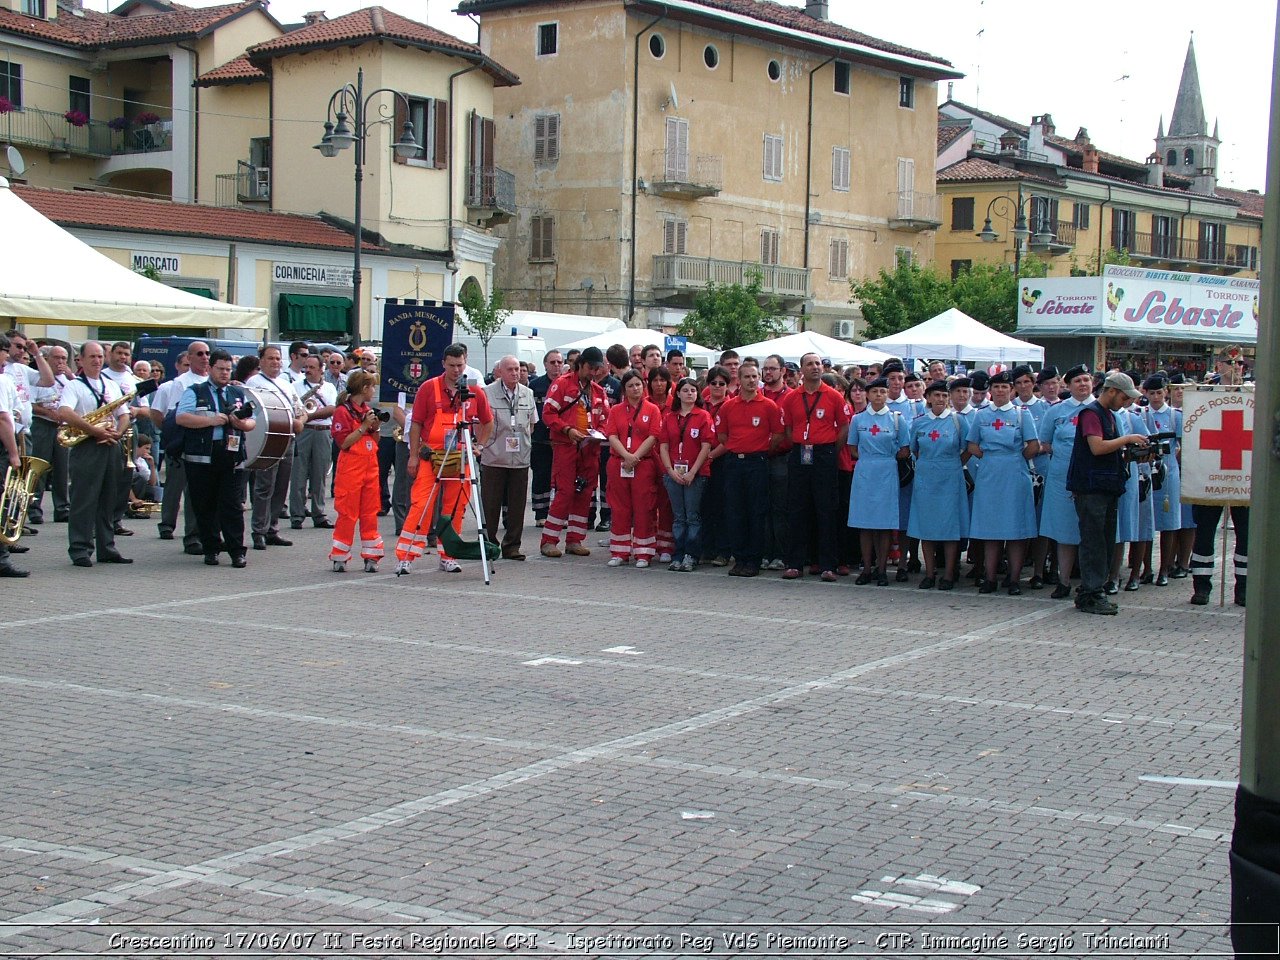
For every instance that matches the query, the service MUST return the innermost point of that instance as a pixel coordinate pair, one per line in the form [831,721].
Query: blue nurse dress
[873,497]
[939,501]
[1058,520]
[1133,515]
[1038,407]
[1003,502]
[1167,501]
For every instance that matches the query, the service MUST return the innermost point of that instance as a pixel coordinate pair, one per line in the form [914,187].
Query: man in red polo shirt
[748,427]
[816,418]
[773,387]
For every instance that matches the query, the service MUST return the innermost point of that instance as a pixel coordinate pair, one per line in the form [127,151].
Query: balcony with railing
[52,131]
[491,194]
[248,186]
[677,274]
[684,177]
[1053,237]
[914,211]
[1162,248]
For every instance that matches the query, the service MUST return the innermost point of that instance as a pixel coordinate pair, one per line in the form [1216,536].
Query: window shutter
[677,150]
[669,236]
[441,158]
[548,237]
[486,143]
[539,139]
[553,137]
[402,115]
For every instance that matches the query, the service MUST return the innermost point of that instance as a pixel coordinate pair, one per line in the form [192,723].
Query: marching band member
[13,460]
[44,439]
[192,367]
[940,501]
[313,453]
[575,406]
[119,369]
[1057,434]
[633,429]
[688,434]
[355,426]
[879,438]
[270,489]
[1004,510]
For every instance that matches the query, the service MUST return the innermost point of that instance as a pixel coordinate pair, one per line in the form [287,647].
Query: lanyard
[632,426]
[512,401]
[683,419]
[808,410]
[100,397]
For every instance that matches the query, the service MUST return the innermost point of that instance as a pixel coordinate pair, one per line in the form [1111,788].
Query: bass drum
[268,442]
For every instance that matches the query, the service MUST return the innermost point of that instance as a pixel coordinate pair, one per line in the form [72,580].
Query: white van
[522,348]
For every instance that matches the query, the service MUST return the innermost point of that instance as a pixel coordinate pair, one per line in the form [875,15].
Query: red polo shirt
[685,435]
[745,426]
[814,418]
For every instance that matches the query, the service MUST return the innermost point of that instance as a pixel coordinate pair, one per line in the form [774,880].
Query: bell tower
[1188,149]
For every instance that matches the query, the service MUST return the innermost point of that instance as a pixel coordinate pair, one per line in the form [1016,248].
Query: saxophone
[69,436]
[19,487]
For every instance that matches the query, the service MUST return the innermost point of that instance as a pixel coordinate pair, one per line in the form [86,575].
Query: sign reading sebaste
[414,338]
[1136,302]
[1217,444]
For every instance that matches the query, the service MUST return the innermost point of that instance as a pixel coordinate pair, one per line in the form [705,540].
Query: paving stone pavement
[572,745]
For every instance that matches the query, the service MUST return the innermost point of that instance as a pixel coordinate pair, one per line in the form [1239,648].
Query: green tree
[1093,266]
[725,316]
[989,293]
[901,299]
[484,317]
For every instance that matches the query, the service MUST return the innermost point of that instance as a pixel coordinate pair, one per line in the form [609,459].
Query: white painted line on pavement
[543,661]
[1190,782]
[928,881]
[627,651]
[902,901]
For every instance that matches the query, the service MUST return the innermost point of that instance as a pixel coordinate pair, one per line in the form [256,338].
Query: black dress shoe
[1131,585]
[987,586]
[1015,590]
[239,560]
[901,576]
[210,559]
[9,570]
[61,519]
[882,580]
[946,584]
[193,549]
[913,566]
[1148,578]
[295,524]
[928,583]
[324,523]
[15,548]
[1162,580]
[114,558]
[1111,588]
[1060,592]
[82,562]
[275,540]
[28,532]
[863,578]
[604,526]
[120,530]
[259,542]
[1035,583]
[166,534]
[35,520]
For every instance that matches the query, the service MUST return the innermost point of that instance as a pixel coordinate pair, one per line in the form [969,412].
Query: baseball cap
[1122,382]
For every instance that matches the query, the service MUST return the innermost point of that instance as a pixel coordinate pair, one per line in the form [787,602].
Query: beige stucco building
[656,146]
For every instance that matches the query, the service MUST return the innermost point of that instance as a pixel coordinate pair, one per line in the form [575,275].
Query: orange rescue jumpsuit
[355,488]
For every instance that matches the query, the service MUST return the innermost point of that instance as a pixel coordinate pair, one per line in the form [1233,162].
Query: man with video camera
[1096,478]
[442,408]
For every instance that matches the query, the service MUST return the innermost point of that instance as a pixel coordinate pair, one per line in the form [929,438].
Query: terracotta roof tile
[775,14]
[109,211]
[975,168]
[948,133]
[96,30]
[377,23]
[1251,203]
[239,70]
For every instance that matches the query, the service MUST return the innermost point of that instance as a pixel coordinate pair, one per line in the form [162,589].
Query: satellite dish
[17,166]
[674,100]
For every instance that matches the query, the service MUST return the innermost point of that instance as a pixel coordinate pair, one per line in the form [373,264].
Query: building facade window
[903,256]
[542,238]
[676,153]
[772,157]
[430,119]
[1163,236]
[1124,229]
[711,56]
[548,39]
[770,241]
[546,138]
[675,235]
[1246,257]
[11,82]
[838,268]
[1044,215]
[840,172]
[657,46]
[774,70]
[1189,157]
[1080,216]
[1212,242]
[1171,159]
[843,82]
[907,92]
[79,97]
[34,8]
[962,213]
[960,266]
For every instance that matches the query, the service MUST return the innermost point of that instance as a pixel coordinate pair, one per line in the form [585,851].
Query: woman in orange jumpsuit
[633,429]
[355,485]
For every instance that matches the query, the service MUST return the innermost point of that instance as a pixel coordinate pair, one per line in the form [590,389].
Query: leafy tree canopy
[726,316]
[484,317]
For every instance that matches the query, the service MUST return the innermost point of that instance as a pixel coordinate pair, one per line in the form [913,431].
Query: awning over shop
[305,313]
[200,292]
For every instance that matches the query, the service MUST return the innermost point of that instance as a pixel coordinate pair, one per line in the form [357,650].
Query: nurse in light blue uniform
[1024,385]
[896,375]
[940,502]
[1187,534]
[1004,510]
[1058,521]
[1166,502]
[1133,509]
[878,438]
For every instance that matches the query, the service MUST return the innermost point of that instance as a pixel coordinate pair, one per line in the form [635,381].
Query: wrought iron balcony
[52,131]
[1161,248]
[675,274]
[249,184]
[914,211]
[491,194]
[1061,233]
[678,175]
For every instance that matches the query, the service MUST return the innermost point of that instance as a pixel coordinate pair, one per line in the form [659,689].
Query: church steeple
[1188,108]
[1188,149]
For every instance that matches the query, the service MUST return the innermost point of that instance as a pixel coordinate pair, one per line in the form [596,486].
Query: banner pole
[1222,580]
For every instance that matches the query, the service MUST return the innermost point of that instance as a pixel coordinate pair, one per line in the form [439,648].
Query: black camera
[1157,445]
[579,484]
[382,415]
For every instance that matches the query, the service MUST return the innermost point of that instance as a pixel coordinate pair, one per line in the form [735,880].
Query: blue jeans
[686,513]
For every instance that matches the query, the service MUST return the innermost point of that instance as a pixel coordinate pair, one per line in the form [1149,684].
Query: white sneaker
[777,565]
[402,568]
[664,558]
[689,563]
[641,564]
[339,566]
[371,566]
[603,543]
[615,562]
[449,565]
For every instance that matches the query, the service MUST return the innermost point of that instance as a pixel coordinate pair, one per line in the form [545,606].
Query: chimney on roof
[1082,135]
[1205,182]
[1089,160]
[1010,142]
[1155,169]
[314,17]
[1041,127]
[816,9]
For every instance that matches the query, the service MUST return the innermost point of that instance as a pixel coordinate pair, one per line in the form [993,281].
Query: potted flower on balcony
[146,119]
[118,124]
[76,118]
[6,105]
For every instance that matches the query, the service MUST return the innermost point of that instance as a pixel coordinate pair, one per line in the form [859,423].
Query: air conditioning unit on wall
[842,329]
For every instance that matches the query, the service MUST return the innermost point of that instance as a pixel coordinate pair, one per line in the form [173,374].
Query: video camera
[1157,445]
[464,391]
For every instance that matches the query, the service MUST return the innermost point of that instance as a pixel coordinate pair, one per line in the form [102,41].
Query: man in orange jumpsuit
[575,406]
[438,407]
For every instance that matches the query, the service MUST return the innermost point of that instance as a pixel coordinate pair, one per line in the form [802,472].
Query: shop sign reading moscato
[311,274]
[1136,302]
[165,264]
[1217,444]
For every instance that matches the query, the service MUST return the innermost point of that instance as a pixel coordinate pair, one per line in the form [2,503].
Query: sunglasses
[717,383]
[199,353]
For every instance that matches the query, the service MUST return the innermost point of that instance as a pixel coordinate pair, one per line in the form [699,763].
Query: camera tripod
[460,441]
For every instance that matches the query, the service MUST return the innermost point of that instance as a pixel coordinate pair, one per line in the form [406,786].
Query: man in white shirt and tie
[270,491]
[162,401]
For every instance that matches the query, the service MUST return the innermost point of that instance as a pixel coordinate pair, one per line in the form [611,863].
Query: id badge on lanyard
[806,453]
[233,442]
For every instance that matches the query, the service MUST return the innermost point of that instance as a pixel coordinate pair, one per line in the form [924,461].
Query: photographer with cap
[1096,476]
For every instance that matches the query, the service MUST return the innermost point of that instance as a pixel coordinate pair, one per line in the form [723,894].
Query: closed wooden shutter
[677,150]
[401,117]
[674,236]
[440,159]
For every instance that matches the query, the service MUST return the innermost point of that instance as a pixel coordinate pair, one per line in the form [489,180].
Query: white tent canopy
[556,329]
[49,276]
[794,346]
[954,335]
[627,336]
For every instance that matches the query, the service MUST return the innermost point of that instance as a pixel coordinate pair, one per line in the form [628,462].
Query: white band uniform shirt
[326,395]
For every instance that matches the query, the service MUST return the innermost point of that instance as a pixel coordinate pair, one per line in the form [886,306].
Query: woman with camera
[356,497]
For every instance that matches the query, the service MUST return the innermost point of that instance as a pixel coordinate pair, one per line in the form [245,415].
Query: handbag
[906,472]
[1144,488]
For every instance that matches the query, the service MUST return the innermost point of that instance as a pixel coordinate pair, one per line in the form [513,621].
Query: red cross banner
[1217,444]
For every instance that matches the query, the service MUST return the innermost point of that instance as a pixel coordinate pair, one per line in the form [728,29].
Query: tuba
[19,487]
[69,436]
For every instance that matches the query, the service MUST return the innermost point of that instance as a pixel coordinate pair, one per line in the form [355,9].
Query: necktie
[222,399]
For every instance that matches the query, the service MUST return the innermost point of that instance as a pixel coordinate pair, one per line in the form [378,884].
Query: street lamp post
[350,101]
[1020,229]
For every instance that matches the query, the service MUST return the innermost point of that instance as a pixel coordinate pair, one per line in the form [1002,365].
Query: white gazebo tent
[627,336]
[954,335]
[49,276]
[794,346]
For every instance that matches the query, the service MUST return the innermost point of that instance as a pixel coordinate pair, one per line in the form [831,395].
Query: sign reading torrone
[165,264]
[311,274]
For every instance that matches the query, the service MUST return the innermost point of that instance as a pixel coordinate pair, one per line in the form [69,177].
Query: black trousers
[386,463]
[1204,551]
[44,444]
[95,472]
[1097,515]
[214,489]
[812,506]
[540,470]
[746,506]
